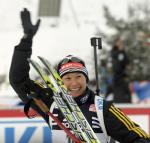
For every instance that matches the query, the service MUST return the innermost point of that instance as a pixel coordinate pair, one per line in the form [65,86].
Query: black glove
[29,29]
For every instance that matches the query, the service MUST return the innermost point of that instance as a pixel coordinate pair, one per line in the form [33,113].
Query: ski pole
[96,43]
[45,109]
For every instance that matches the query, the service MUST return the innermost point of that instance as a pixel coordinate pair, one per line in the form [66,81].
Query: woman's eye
[78,76]
[67,78]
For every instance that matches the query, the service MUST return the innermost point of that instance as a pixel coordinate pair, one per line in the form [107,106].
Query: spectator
[120,84]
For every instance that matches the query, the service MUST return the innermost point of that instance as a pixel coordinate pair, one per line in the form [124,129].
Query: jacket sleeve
[20,80]
[19,70]
[121,128]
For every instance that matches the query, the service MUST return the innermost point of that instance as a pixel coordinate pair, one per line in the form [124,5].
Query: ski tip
[40,57]
[29,60]
[44,61]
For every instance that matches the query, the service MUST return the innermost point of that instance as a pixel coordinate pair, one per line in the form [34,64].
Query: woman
[75,77]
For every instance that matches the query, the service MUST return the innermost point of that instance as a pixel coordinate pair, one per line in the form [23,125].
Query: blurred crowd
[115,84]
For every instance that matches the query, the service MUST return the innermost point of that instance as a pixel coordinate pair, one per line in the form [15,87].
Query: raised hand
[29,29]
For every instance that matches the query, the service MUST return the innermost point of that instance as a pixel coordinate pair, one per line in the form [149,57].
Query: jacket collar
[84,98]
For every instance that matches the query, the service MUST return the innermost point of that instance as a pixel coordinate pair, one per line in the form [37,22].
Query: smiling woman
[75,83]
[75,76]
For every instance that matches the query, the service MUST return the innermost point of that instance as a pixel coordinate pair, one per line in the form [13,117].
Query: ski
[45,109]
[72,105]
[79,133]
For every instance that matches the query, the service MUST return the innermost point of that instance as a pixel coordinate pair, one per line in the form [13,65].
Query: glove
[29,29]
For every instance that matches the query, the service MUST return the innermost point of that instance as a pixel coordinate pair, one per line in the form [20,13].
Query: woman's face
[75,83]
